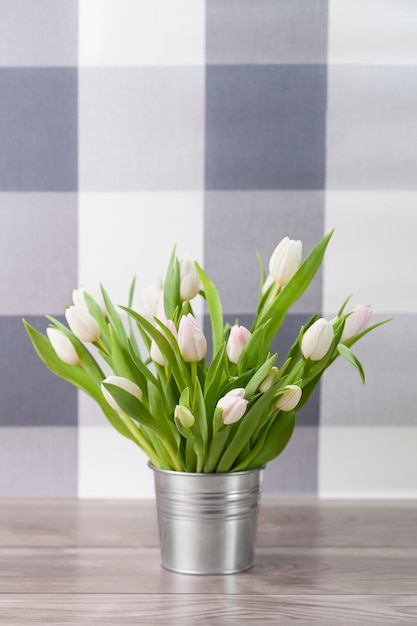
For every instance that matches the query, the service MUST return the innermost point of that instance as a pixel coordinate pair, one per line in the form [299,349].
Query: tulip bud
[78,298]
[63,346]
[155,352]
[191,340]
[123,383]
[184,416]
[189,278]
[356,321]
[317,340]
[82,324]
[269,380]
[233,405]
[289,399]
[285,260]
[239,336]
[153,301]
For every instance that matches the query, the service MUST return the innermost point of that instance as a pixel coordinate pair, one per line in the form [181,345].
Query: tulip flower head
[238,338]
[184,416]
[78,298]
[285,260]
[189,278]
[123,383]
[356,322]
[155,352]
[63,346]
[233,405]
[191,340]
[317,340]
[269,380]
[289,399]
[82,324]
[153,301]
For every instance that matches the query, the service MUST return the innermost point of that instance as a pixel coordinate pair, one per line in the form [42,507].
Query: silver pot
[207,522]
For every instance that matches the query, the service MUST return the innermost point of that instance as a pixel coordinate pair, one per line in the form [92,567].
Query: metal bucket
[207,522]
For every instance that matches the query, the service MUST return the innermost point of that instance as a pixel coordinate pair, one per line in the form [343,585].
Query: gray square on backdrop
[38,252]
[266,31]
[38,129]
[295,471]
[265,126]
[38,33]
[372,127]
[141,128]
[388,356]
[30,394]
[237,225]
[38,462]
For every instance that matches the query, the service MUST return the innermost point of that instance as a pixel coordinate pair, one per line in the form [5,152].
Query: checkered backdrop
[222,126]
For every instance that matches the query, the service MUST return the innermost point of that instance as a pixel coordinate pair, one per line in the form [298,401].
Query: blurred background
[221,126]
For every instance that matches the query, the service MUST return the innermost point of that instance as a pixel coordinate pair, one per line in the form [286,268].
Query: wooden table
[78,562]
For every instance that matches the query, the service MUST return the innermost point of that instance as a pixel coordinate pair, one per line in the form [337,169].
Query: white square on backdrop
[373,32]
[111,466]
[141,32]
[133,234]
[373,248]
[367,462]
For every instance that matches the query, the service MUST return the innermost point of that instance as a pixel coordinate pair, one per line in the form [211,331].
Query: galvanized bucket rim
[203,474]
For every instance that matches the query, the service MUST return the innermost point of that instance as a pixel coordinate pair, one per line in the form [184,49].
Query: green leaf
[246,428]
[215,309]
[279,434]
[172,299]
[279,306]
[259,376]
[347,354]
[169,350]
[135,409]
[255,350]
[114,317]
[216,376]
[75,375]
[199,411]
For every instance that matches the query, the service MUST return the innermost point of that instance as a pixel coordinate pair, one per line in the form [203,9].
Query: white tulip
[289,399]
[82,324]
[123,383]
[63,346]
[285,260]
[78,298]
[317,340]
[189,278]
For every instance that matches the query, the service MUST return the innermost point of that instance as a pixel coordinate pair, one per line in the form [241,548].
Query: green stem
[146,447]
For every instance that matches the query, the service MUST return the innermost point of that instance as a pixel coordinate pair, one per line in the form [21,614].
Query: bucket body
[207,522]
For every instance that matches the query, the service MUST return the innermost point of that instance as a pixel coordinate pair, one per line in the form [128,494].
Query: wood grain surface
[77,562]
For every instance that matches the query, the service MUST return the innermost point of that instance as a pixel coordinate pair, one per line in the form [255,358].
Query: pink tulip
[234,406]
[191,340]
[356,321]
[239,336]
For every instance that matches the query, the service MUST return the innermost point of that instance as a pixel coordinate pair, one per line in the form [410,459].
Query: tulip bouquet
[236,412]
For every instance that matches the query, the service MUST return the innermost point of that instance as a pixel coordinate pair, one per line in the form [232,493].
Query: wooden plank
[278,570]
[282,522]
[213,610]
